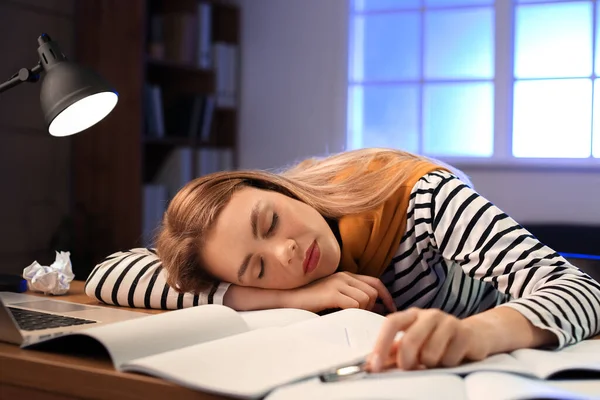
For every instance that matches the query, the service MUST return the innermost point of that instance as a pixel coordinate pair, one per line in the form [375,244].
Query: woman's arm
[547,293]
[507,329]
[136,278]
[550,302]
[242,298]
[340,290]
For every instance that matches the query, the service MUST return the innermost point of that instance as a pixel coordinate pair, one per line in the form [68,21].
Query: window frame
[503,83]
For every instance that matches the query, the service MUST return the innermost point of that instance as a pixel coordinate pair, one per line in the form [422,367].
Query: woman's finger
[366,288]
[391,326]
[415,336]
[390,361]
[355,293]
[344,302]
[455,351]
[435,347]
[382,291]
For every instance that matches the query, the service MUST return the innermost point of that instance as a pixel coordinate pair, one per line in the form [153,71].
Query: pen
[348,372]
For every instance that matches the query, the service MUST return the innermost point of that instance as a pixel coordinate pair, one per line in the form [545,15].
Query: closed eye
[269,233]
[262,268]
[273,226]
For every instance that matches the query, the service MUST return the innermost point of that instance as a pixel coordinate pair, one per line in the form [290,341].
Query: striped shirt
[460,253]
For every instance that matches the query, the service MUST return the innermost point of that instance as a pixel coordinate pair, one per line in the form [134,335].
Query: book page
[247,365]
[501,386]
[415,388]
[589,346]
[353,328]
[158,333]
[275,317]
[497,362]
[547,363]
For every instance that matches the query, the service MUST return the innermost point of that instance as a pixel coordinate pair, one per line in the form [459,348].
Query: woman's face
[268,240]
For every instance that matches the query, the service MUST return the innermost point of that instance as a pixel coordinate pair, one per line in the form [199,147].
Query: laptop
[27,319]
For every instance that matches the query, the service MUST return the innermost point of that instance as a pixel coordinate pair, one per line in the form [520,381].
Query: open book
[475,386]
[243,354]
[282,352]
[581,358]
[572,373]
[520,375]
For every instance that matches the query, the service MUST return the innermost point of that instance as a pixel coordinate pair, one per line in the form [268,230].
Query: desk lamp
[73,98]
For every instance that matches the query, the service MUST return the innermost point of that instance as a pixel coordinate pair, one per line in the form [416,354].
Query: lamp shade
[73,98]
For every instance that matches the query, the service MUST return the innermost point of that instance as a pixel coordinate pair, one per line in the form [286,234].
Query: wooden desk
[36,375]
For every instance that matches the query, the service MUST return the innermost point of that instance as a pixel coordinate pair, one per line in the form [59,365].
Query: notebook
[213,348]
[475,386]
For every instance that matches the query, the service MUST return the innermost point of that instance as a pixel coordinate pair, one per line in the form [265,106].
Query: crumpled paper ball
[54,279]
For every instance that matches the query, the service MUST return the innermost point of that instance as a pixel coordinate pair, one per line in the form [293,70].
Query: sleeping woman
[376,229]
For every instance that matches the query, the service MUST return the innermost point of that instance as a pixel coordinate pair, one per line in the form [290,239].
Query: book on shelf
[185,115]
[204,56]
[213,159]
[207,115]
[225,62]
[191,115]
[154,206]
[176,170]
[153,111]
[182,36]
[283,352]
[185,37]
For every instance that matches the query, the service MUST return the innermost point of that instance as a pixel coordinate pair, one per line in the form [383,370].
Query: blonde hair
[317,182]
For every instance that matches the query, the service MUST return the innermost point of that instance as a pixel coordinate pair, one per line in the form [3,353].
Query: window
[475,80]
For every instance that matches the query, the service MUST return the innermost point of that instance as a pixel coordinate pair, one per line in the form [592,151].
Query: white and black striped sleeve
[136,278]
[489,245]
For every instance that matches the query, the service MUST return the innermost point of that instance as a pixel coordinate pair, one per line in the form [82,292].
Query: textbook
[583,357]
[475,386]
[526,374]
[213,348]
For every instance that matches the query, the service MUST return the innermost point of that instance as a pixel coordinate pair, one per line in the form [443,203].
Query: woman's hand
[431,338]
[340,290]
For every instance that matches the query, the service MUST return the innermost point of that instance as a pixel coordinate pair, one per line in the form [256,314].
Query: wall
[34,170]
[293,80]
[294,102]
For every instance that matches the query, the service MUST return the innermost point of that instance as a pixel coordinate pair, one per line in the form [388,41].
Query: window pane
[459,43]
[458,119]
[378,5]
[434,3]
[552,118]
[553,40]
[384,116]
[596,143]
[597,68]
[535,1]
[386,47]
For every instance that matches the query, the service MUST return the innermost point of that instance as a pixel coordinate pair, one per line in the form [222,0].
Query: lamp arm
[24,75]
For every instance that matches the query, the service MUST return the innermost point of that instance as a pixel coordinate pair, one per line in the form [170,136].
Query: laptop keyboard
[33,320]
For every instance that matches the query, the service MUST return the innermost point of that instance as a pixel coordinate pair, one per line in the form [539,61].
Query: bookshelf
[175,64]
